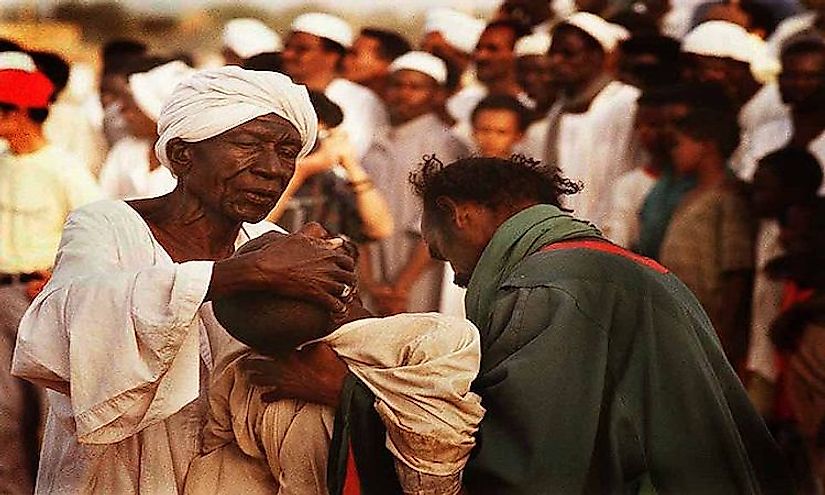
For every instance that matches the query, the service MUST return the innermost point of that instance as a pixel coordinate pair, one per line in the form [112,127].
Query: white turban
[460,30]
[213,101]
[724,39]
[249,37]
[422,62]
[17,60]
[535,44]
[324,26]
[153,88]
[606,33]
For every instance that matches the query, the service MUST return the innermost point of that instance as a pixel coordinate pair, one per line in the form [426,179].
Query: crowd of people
[586,241]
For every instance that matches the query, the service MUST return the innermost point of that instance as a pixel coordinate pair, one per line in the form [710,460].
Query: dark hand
[303,267]
[314,374]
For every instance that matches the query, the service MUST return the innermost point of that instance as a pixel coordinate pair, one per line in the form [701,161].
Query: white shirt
[364,113]
[37,192]
[124,329]
[764,107]
[628,197]
[126,174]
[771,137]
[594,148]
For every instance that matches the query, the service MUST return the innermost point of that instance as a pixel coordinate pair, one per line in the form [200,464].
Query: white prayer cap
[423,62]
[152,89]
[249,37]
[324,26]
[213,101]
[18,61]
[720,39]
[534,44]
[728,40]
[458,29]
[606,33]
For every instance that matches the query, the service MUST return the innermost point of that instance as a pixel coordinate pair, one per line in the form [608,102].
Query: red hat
[25,89]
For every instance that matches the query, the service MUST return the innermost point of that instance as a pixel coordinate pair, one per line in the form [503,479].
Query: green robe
[601,374]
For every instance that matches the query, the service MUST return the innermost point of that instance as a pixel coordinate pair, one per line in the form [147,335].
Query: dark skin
[802,85]
[496,62]
[237,177]
[454,231]
[577,60]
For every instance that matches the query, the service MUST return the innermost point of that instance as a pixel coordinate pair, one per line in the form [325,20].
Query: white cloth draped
[121,337]
[126,174]
[420,368]
[213,101]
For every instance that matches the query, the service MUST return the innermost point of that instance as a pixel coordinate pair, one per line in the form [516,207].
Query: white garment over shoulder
[771,137]
[767,299]
[126,174]
[364,113]
[122,338]
[763,108]
[594,148]
[628,197]
[420,368]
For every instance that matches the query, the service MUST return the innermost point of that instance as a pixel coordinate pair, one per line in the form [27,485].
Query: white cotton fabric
[364,113]
[123,340]
[728,40]
[606,33]
[534,44]
[324,26]
[152,89]
[17,61]
[423,62]
[213,101]
[249,37]
[628,196]
[126,173]
[420,368]
[460,30]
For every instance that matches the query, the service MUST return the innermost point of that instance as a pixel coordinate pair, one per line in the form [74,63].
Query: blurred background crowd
[696,128]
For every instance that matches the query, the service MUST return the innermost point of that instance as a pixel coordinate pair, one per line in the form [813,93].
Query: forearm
[372,208]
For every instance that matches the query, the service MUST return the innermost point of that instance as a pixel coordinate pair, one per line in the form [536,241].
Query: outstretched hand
[314,374]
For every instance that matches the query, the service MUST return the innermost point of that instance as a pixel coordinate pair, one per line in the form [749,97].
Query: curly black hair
[491,182]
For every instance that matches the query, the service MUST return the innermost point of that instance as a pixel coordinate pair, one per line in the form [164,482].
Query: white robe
[771,137]
[763,108]
[364,113]
[122,338]
[628,197]
[126,174]
[420,368]
[594,148]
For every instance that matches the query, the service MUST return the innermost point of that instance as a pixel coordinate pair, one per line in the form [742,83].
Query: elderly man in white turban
[312,56]
[400,275]
[589,128]
[725,53]
[131,169]
[123,335]
[244,38]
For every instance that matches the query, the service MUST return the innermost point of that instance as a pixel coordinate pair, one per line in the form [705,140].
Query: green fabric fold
[521,235]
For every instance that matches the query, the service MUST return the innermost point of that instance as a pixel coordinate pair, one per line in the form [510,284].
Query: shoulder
[111,211]
[344,92]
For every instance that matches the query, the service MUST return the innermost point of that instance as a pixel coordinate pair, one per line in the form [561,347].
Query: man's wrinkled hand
[314,374]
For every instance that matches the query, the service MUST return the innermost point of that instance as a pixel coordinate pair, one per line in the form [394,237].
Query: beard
[462,280]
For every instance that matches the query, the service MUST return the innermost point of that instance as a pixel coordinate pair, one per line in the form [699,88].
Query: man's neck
[710,173]
[508,86]
[182,218]
[319,81]
[27,141]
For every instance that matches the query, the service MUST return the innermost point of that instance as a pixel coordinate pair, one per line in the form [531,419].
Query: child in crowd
[419,366]
[709,242]
[499,122]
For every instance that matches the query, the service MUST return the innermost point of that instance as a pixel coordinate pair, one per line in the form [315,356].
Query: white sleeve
[124,343]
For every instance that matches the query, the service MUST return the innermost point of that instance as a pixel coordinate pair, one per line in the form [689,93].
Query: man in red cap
[39,185]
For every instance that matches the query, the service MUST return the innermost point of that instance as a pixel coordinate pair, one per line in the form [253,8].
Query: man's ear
[458,214]
[179,154]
